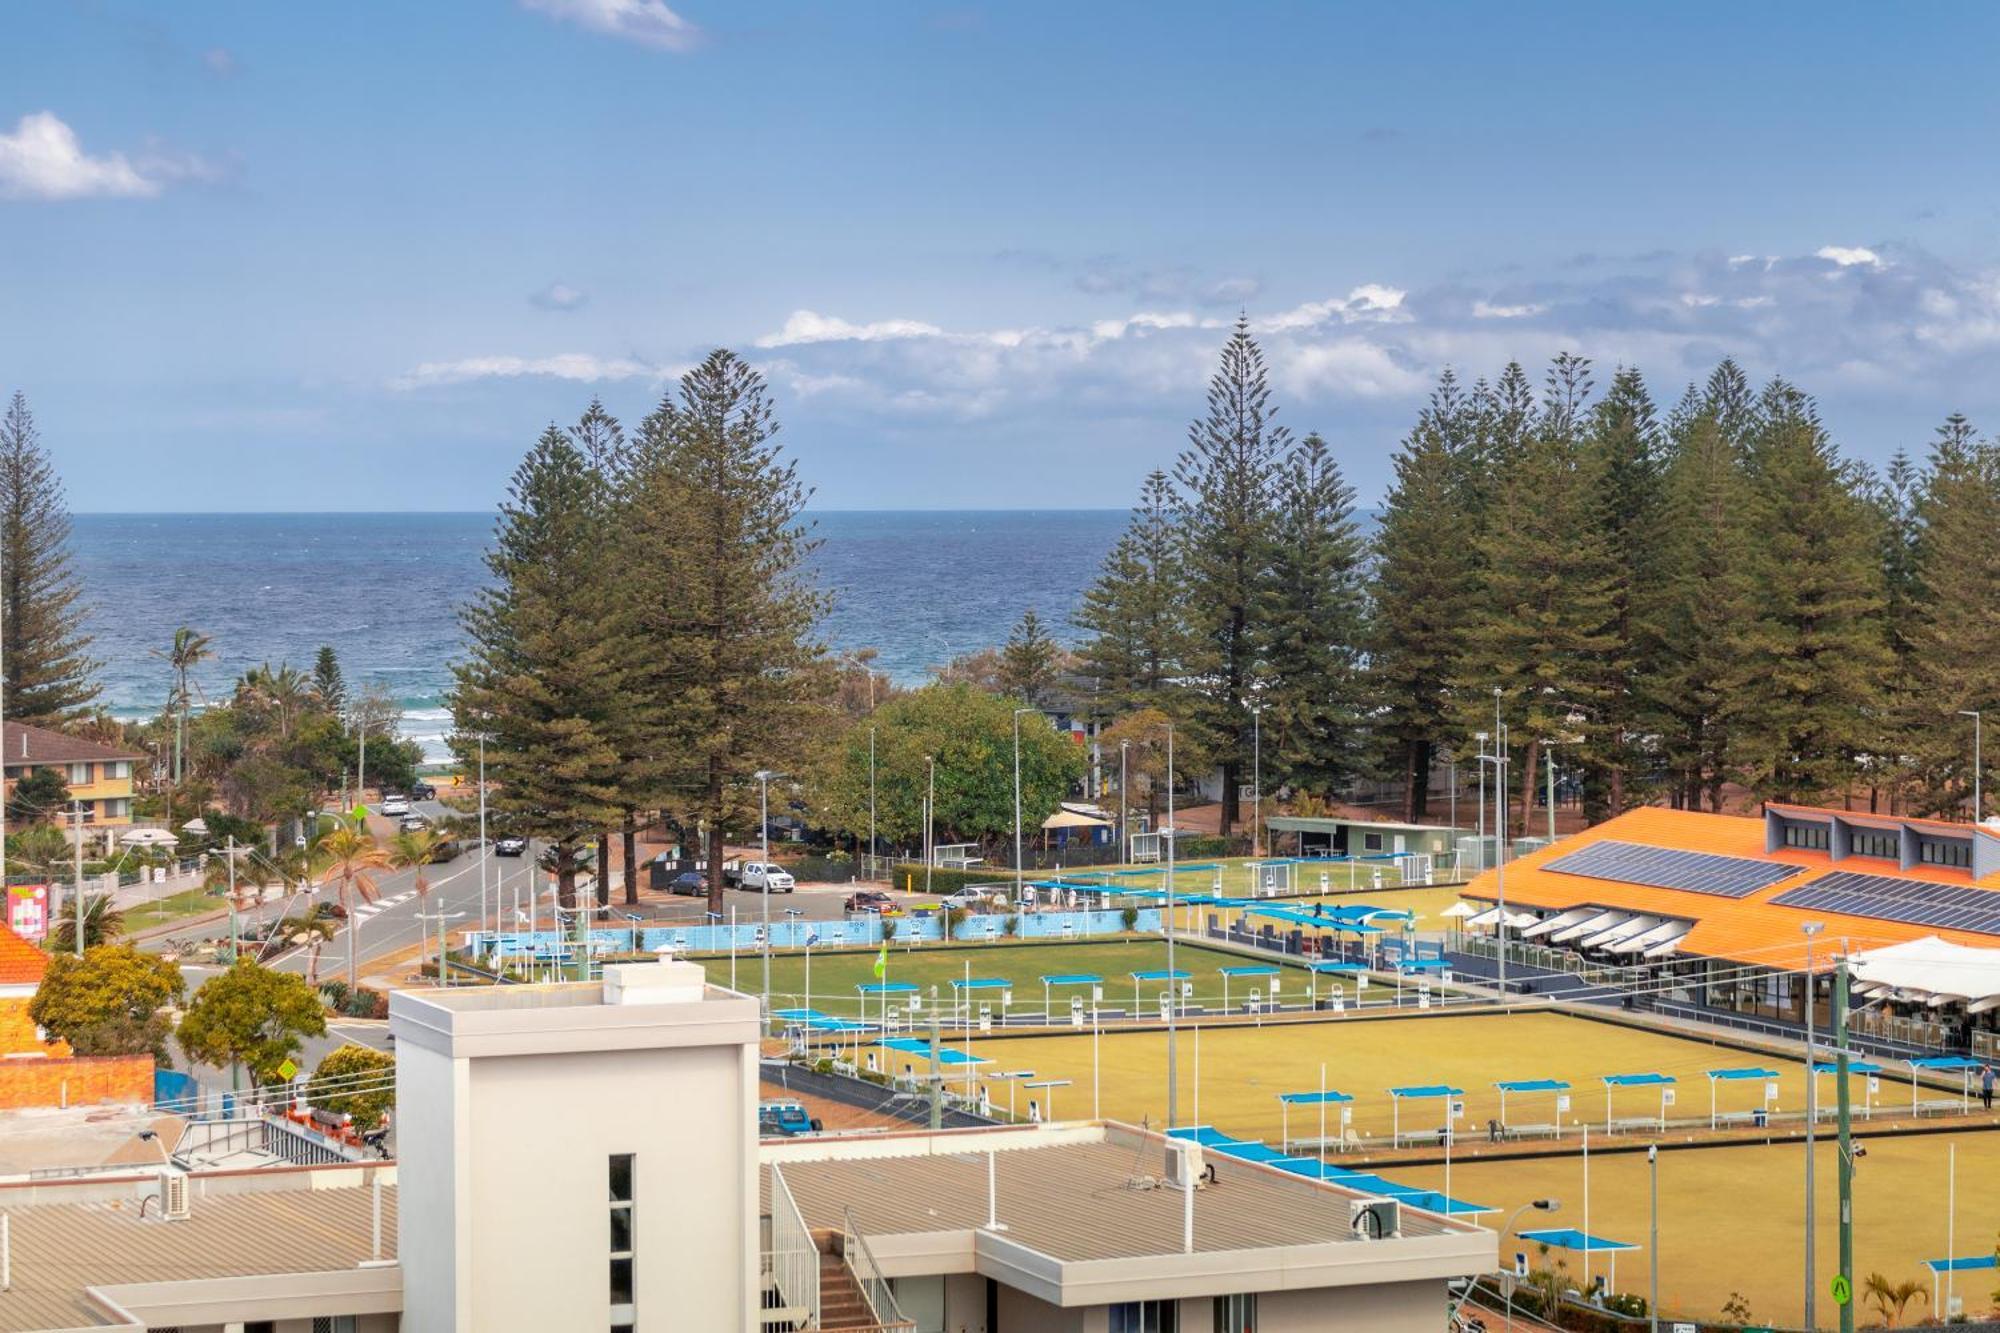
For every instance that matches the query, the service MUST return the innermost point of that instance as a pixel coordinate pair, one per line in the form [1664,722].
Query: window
[1236,1314]
[1145,1317]
[1371,842]
[1811,837]
[622,1291]
[120,768]
[79,774]
[1936,853]
[322,1323]
[1888,846]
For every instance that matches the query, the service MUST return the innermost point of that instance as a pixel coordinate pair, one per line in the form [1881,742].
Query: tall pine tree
[1625,437]
[49,677]
[1225,478]
[1028,660]
[1134,610]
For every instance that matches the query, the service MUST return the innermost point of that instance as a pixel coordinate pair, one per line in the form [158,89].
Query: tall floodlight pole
[1653,1249]
[1479,821]
[1256,779]
[871,793]
[1124,802]
[485,852]
[77,909]
[930,818]
[1810,928]
[764,776]
[1841,982]
[1499,761]
[1017,806]
[1978,810]
[1173,1066]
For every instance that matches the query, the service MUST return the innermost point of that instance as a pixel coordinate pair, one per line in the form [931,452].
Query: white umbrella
[148,837]
[1460,908]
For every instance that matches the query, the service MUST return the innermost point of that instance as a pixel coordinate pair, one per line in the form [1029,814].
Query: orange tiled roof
[21,963]
[1750,929]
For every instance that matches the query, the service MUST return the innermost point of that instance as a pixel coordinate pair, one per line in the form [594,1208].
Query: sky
[356,256]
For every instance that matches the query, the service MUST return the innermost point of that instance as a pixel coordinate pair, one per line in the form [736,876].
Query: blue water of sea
[920,587]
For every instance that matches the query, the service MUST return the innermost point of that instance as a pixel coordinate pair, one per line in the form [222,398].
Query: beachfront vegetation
[47,672]
[109,1001]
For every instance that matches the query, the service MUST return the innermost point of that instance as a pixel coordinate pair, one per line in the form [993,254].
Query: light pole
[1124,802]
[872,849]
[1173,1028]
[1017,807]
[1977,811]
[796,914]
[764,776]
[1539,1205]
[1499,761]
[1810,928]
[930,818]
[1256,779]
[1479,821]
[1653,1249]
[484,850]
[866,670]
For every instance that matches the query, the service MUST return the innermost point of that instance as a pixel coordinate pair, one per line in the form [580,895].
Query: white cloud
[1523,310]
[221,62]
[1371,301]
[577,366]
[43,159]
[645,22]
[1847,256]
[806,326]
[559,296]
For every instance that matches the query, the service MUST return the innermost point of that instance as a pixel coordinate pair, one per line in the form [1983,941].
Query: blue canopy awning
[1313,1098]
[1264,970]
[1336,967]
[1532,1085]
[1072,979]
[983,983]
[1853,1067]
[1424,965]
[1965,1263]
[1569,1238]
[1750,1071]
[947,1055]
[1427,1090]
[1208,1136]
[1249,1152]
[886,987]
[1162,975]
[1636,1080]
[1945,1062]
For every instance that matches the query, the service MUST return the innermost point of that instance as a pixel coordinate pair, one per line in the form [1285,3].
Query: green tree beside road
[109,1002]
[252,1016]
[357,1082]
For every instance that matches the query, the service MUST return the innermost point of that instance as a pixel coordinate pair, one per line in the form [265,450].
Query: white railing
[861,1262]
[794,1256]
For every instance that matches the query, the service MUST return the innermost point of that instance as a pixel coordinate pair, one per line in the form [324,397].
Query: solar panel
[1666,868]
[1885,898]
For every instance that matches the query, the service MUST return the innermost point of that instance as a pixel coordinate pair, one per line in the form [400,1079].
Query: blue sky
[354,256]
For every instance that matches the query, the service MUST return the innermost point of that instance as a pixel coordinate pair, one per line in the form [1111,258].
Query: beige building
[585,1157]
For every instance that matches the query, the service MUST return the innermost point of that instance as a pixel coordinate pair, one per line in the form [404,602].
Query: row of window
[1887,846]
[1233,1314]
[82,775]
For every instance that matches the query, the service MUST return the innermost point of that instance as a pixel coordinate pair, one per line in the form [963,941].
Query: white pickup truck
[761,877]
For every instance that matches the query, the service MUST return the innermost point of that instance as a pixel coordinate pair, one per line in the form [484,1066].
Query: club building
[1711,912]
[585,1156]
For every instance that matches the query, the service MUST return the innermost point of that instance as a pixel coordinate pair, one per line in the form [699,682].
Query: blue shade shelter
[1419,1092]
[887,987]
[1257,970]
[947,1055]
[1159,975]
[1049,979]
[1970,1263]
[1208,1136]
[1569,1238]
[982,983]
[1869,1088]
[1323,1098]
[1960,1064]
[1520,1086]
[1744,1074]
[1662,1083]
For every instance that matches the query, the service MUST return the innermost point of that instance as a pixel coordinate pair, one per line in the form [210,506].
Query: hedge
[909,876]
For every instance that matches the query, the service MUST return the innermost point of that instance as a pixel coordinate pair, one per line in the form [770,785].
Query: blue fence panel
[856,932]
[175,1091]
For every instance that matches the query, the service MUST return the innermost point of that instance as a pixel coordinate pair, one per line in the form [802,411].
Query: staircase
[844,1306]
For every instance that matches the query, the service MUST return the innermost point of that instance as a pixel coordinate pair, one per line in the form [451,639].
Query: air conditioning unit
[1376,1219]
[174,1196]
[1185,1164]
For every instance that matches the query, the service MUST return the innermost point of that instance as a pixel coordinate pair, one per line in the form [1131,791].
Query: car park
[762,877]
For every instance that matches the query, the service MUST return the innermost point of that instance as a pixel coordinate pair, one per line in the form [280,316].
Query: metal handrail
[874,1287]
[794,1255]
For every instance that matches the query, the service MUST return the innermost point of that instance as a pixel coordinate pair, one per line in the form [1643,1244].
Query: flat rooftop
[1091,1194]
[252,1224]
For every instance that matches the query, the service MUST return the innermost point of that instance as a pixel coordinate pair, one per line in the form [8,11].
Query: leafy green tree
[544,676]
[103,922]
[1225,478]
[355,1081]
[727,613]
[348,858]
[1542,632]
[109,1001]
[49,674]
[252,1016]
[42,796]
[327,683]
[1316,701]
[1693,616]
[1028,660]
[1139,740]
[1134,609]
[1426,581]
[1811,705]
[970,734]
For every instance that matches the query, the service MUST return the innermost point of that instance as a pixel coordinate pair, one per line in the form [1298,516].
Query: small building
[99,776]
[1321,835]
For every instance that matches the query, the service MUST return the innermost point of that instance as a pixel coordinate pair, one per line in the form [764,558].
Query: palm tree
[102,923]
[415,850]
[190,649]
[1891,1298]
[348,857]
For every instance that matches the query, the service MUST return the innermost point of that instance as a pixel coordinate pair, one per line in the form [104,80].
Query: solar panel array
[1666,868]
[1885,898]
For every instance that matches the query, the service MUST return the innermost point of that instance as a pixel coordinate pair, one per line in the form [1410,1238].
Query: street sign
[1562,1102]
[1521,1267]
[1843,1290]
[1686,1328]
[288,1070]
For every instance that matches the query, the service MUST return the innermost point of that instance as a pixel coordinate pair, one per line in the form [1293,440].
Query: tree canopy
[252,1016]
[109,1001]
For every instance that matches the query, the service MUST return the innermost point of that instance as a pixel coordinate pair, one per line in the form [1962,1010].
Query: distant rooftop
[38,745]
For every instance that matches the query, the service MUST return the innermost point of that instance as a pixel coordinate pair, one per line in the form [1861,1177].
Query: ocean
[920,587]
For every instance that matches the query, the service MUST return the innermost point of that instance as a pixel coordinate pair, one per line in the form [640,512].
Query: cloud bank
[642,22]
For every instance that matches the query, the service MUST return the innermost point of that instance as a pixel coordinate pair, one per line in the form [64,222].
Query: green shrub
[909,877]
[889,924]
[1129,918]
[335,993]
[1011,925]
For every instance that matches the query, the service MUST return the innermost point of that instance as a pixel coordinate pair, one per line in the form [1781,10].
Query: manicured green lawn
[174,907]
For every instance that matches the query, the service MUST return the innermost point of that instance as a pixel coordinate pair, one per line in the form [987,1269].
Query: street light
[1173,1028]
[1499,761]
[796,913]
[1017,806]
[1256,779]
[1124,802]
[866,670]
[1978,811]
[930,819]
[1539,1205]
[1810,929]
[764,776]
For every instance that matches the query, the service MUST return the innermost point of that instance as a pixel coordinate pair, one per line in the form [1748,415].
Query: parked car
[784,1118]
[394,803]
[423,791]
[413,822]
[692,882]
[967,899]
[761,877]
[333,910]
[447,849]
[511,845]
[871,900]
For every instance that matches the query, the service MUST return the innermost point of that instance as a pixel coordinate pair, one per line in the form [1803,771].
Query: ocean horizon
[920,586]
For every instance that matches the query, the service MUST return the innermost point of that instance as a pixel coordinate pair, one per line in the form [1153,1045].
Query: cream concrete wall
[432,1247]
[1022,1313]
[1391,1307]
[543,1127]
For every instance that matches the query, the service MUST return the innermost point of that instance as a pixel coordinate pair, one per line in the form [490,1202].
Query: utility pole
[1811,928]
[937,1076]
[930,818]
[484,851]
[1551,799]
[1653,1250]
[1173,1000]
[1978,806]
[1017,804]
[871,798]
[76,808]
[1256,779]
[1846,1172]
